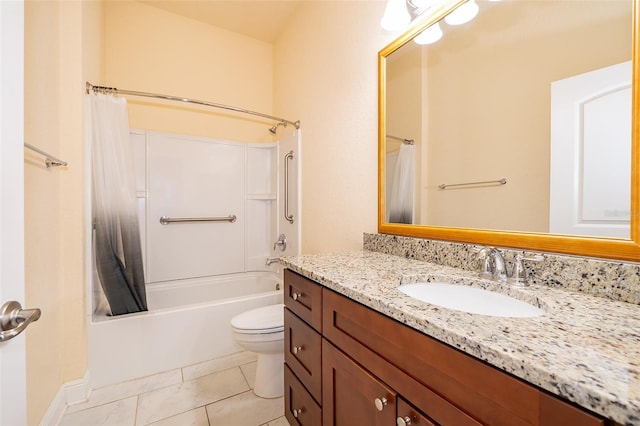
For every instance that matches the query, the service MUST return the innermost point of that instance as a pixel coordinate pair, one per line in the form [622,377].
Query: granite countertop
[585,348]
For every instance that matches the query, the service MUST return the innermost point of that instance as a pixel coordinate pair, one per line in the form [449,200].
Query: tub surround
[585,348]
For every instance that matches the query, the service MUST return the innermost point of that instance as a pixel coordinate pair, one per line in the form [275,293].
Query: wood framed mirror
[484,111]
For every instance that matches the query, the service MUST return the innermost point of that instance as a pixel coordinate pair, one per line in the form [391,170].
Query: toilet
[261,330]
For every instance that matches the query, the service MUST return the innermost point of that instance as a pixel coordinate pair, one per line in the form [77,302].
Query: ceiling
[259,19]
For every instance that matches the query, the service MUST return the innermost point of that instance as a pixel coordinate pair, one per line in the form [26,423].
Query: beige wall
[62,48]
[326,76]
[151,50]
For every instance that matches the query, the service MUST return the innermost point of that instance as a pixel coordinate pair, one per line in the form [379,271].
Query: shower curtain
[118,253]
[402,187]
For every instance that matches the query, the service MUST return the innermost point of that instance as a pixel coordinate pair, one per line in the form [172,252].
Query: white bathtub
[187,323]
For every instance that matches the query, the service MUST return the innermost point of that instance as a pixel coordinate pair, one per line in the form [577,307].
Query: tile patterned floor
[213,393]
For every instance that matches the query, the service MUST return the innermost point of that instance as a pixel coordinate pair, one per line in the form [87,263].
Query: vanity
[358,351]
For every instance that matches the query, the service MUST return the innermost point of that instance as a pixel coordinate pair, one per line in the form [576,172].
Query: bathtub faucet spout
[271,260]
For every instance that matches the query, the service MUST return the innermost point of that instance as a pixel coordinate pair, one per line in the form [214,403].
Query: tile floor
[213,393]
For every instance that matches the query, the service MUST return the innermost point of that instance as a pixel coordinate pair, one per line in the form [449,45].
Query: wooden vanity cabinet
[357,366]
[447,385]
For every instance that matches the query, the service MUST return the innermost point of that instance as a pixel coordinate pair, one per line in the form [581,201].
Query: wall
[326,76]
[151,50]
[62,48]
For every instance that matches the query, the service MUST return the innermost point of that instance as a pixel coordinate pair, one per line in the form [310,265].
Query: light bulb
[396,16]
[429,35]
[463,13]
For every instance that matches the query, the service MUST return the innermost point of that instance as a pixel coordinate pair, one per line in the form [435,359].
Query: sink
[470,299]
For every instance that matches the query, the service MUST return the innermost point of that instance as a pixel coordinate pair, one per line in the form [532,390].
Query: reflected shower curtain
[118,253]
[402,187]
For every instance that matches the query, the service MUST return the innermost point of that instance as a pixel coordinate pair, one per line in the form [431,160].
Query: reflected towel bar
[499,181]
[50,160]
[165,220]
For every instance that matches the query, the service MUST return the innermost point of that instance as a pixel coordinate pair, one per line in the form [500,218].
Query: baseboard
[70,393]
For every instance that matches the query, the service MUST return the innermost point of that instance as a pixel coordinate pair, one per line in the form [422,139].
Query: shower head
[274,128]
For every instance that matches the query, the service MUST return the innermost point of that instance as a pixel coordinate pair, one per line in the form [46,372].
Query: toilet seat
[264,320]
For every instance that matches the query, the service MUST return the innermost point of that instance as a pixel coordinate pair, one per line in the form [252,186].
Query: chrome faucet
[493,264]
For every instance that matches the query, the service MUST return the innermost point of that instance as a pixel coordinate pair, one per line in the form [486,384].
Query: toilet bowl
[261,330]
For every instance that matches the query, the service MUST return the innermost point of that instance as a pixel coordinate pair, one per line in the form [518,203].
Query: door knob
[14,319]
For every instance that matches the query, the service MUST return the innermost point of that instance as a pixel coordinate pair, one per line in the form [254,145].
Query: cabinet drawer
[483,392]
[303,353]
[304,298]
[299,406]
[409,415]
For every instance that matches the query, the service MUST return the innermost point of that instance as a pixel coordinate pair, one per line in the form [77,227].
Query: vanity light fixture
[463,13]
[430,35]
[399,13]
[396,16]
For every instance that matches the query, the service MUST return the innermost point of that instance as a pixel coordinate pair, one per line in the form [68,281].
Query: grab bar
[166,220]
[287,157]
[502,181]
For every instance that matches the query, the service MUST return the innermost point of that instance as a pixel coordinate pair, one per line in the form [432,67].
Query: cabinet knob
[297,412]
[403,421]
[380,403]
[297,349]
[296,296]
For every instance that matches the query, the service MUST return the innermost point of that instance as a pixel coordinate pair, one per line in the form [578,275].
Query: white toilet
[261,330]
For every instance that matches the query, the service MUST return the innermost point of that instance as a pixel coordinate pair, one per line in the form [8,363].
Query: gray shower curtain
[118,253]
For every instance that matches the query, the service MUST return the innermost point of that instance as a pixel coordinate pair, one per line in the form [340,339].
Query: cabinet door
[351,395]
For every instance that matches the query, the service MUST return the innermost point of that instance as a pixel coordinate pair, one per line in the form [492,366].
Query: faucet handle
[281,242]
[483,254]
[519,277]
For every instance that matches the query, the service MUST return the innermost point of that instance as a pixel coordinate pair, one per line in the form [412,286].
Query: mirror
[514,129]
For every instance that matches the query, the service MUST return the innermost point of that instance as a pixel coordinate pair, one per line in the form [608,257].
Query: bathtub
[187,323]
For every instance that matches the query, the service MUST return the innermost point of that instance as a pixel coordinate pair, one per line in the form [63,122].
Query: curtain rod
[403,140]
[102,89]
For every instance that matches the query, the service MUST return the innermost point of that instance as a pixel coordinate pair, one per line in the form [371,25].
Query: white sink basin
[470,299]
